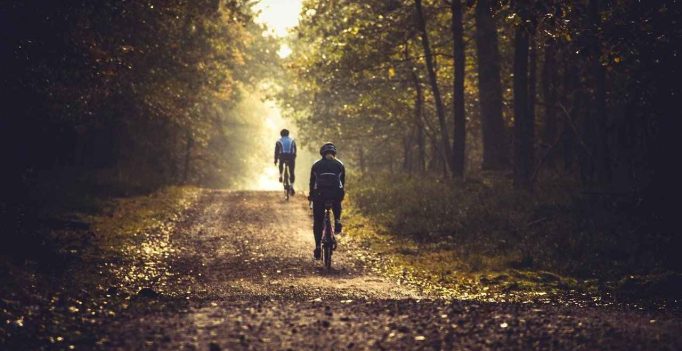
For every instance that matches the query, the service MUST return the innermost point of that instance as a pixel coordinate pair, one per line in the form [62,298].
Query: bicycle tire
[327,243]
[327,255]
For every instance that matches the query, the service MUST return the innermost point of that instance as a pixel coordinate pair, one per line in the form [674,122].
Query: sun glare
[284,51]
[279,15]
[273,122]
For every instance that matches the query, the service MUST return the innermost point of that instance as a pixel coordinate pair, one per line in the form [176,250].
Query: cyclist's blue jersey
[287,145]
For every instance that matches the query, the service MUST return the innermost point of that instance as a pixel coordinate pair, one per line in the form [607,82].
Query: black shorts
[334,195]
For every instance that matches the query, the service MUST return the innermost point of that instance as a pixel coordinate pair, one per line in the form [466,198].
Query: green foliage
[350,80]
[487,225]
[141,93]
[351,65]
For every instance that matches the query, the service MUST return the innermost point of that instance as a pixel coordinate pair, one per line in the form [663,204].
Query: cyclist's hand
[310,198]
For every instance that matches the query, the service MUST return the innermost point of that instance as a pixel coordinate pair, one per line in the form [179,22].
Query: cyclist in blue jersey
[285,151]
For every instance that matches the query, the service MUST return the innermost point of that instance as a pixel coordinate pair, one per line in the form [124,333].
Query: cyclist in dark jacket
[285,151]
[327,182]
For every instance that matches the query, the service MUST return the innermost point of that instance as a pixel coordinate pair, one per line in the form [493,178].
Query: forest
[118,98]
[508,154]
[502,124]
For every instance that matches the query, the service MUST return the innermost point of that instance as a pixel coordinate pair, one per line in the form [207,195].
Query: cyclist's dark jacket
[327,180]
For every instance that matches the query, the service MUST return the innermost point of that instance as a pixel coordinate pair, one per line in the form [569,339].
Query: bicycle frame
[285,181]
[328,240]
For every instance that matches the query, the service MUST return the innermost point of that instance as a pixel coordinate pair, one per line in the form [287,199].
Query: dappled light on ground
[140,237]
[233,269]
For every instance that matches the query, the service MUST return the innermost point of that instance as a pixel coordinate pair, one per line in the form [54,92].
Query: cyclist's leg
[318,221]
[336,204]
[336,208]
[281,168]
[292,165]
[290,169]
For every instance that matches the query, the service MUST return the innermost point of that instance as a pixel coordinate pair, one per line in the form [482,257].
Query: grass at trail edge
[481,239]
[91,264]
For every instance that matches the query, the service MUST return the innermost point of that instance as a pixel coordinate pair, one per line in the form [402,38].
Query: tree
[490,90]
[458,146]
[548,86]
[523,119]
[433,79]
[601,159]
[361,74]
[127,90]
[419,120]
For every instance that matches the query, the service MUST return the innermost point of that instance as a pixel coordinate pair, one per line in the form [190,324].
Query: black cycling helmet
[327,148]
[284,132]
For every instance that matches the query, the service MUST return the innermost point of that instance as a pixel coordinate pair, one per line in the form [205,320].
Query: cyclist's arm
[278,146]
[343,176]
[312,180]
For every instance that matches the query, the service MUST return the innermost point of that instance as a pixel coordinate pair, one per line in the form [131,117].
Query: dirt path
[237,273]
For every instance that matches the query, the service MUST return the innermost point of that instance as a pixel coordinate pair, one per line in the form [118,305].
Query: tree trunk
[602,163]
[568,101]
[436,163]
[175,166]
[440,110]
[419,122]
[407,162]
[522,118]
[188,155]
[532,97]
[549,97]
[581,137]
[361,157]
[458,144]
[490,89]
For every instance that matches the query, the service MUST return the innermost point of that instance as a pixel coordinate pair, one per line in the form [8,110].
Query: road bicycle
[328,240]
[288,189]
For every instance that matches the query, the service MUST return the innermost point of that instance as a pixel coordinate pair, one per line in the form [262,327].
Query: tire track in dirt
[255,245]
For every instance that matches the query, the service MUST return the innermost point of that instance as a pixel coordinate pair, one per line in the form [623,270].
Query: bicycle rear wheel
[327,242]
[327,255]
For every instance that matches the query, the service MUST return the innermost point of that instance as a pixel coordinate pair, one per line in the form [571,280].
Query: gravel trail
[241,277]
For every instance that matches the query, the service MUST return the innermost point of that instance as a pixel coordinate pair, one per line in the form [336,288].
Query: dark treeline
[577,87]
[533,91]
[132,94]
[112,98]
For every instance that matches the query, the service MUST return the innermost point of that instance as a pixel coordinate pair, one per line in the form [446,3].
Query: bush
[489,225]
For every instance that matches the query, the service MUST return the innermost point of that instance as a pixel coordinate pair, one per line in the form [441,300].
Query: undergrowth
[479,226]
[82,258]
